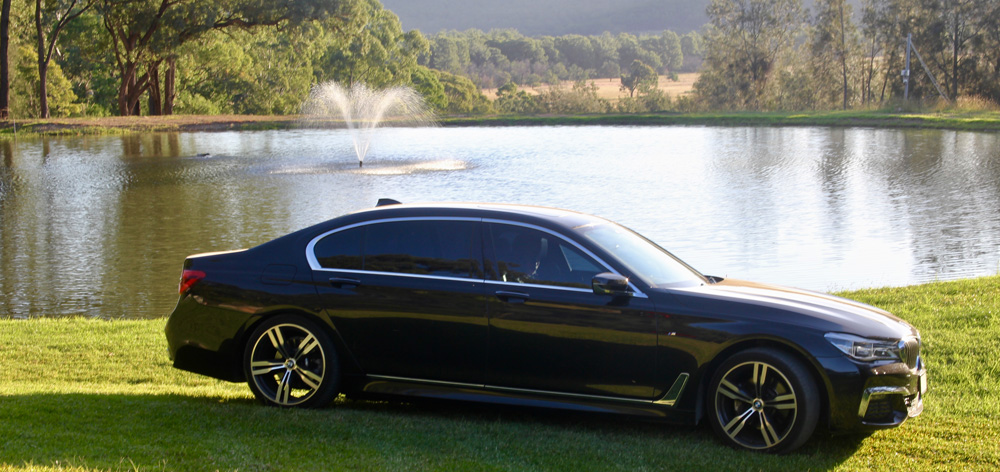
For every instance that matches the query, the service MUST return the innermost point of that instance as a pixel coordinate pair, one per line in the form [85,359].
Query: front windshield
[640,256]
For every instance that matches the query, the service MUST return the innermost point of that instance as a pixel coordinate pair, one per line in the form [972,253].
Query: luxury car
[538,307]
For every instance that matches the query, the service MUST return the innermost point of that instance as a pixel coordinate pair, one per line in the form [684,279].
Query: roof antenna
[386,201]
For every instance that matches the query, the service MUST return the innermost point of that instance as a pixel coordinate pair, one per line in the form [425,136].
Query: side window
[341,250]
[425,247]
[530,256]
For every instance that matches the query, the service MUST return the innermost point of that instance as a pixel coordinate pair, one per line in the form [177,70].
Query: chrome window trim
[402,274]
[315,265]
[311,247]
[551,287]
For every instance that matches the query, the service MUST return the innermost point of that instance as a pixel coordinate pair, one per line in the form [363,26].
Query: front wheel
[291,361]
[763,399]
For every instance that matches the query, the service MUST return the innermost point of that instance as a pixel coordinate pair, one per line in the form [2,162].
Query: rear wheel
[291,361]
[764,399]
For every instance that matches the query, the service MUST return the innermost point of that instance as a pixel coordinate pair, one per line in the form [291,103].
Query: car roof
[525,213]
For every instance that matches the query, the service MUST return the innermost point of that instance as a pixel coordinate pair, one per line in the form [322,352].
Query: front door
[550,332]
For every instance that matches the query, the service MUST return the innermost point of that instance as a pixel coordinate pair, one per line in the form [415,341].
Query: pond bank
[963,121]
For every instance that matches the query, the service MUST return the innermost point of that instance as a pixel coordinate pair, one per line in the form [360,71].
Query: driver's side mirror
[607,283]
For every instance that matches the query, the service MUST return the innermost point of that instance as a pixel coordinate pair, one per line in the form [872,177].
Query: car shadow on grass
[180,432]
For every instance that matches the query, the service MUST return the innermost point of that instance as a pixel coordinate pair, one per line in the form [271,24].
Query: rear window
[447,248]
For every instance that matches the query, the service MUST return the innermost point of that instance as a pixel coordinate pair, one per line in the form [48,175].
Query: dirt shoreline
[976,121]
[155,123]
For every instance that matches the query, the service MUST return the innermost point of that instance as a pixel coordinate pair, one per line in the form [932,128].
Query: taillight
[189,278]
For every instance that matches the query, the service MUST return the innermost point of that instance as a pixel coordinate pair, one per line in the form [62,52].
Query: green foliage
[747,43]
[88,62]
[267,72]
[426,83]
[639,77]
[366,44]
[580,99]
[513,101]
[463,95]
[24,93]
[500,56]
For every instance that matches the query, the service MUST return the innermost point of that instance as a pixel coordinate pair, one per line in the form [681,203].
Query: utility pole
[906,70]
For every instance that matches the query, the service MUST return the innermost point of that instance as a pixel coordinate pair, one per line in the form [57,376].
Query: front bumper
[889,405]
[863,397]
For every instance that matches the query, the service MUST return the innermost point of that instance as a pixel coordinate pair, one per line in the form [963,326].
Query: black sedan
[538,307]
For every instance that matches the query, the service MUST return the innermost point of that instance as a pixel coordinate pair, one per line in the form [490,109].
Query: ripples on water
[99,226]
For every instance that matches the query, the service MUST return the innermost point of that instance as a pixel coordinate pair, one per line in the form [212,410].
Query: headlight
[865,349]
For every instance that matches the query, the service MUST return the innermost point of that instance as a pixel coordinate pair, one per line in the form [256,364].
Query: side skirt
[663,408]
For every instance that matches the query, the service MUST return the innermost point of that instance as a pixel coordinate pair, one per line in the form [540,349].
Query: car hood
[796,306]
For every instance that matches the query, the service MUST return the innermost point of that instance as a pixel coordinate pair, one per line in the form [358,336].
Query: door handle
[340,282]
[512,297]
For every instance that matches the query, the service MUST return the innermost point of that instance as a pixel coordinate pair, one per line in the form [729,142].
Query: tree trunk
[155,105]
[843,51]
[169,86]
[43,94]
[954,60]
[131,88]
[4,69]
[43,90]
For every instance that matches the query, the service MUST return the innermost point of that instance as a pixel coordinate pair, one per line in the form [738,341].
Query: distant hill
[551,17]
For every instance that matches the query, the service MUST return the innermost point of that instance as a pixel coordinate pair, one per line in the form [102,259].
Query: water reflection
[100,225]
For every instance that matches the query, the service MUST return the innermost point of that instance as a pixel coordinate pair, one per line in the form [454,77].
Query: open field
[610,89]
[79,395]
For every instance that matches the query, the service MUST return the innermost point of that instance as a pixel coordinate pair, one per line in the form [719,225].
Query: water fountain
[363,109]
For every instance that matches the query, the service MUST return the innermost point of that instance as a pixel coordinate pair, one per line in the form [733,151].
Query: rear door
[407,296]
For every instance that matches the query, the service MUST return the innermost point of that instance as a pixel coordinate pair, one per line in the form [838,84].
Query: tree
[577,50]
[833,43]
[61,98]
[957,25]
[667,47]
[463,95]
[512,100]
[4,63]
[639,76]
[146,32]
[369,46]
[428,86]
[50,19]
[746,40]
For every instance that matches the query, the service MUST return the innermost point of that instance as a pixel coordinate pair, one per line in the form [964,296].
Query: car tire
[291,361]
[765,400]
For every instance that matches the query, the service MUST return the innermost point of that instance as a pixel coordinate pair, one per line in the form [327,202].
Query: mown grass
[81,394]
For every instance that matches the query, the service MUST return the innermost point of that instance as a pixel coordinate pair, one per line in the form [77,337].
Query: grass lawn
[80,394]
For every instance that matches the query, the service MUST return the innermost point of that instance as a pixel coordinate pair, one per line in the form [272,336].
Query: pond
[99,226]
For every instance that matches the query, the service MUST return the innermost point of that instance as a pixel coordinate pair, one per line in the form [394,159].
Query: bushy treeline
[774,55]
[128,57]
[132,57]
[492,59]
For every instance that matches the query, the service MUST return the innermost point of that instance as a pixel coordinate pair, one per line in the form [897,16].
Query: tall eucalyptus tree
[51,17]
[146,32]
